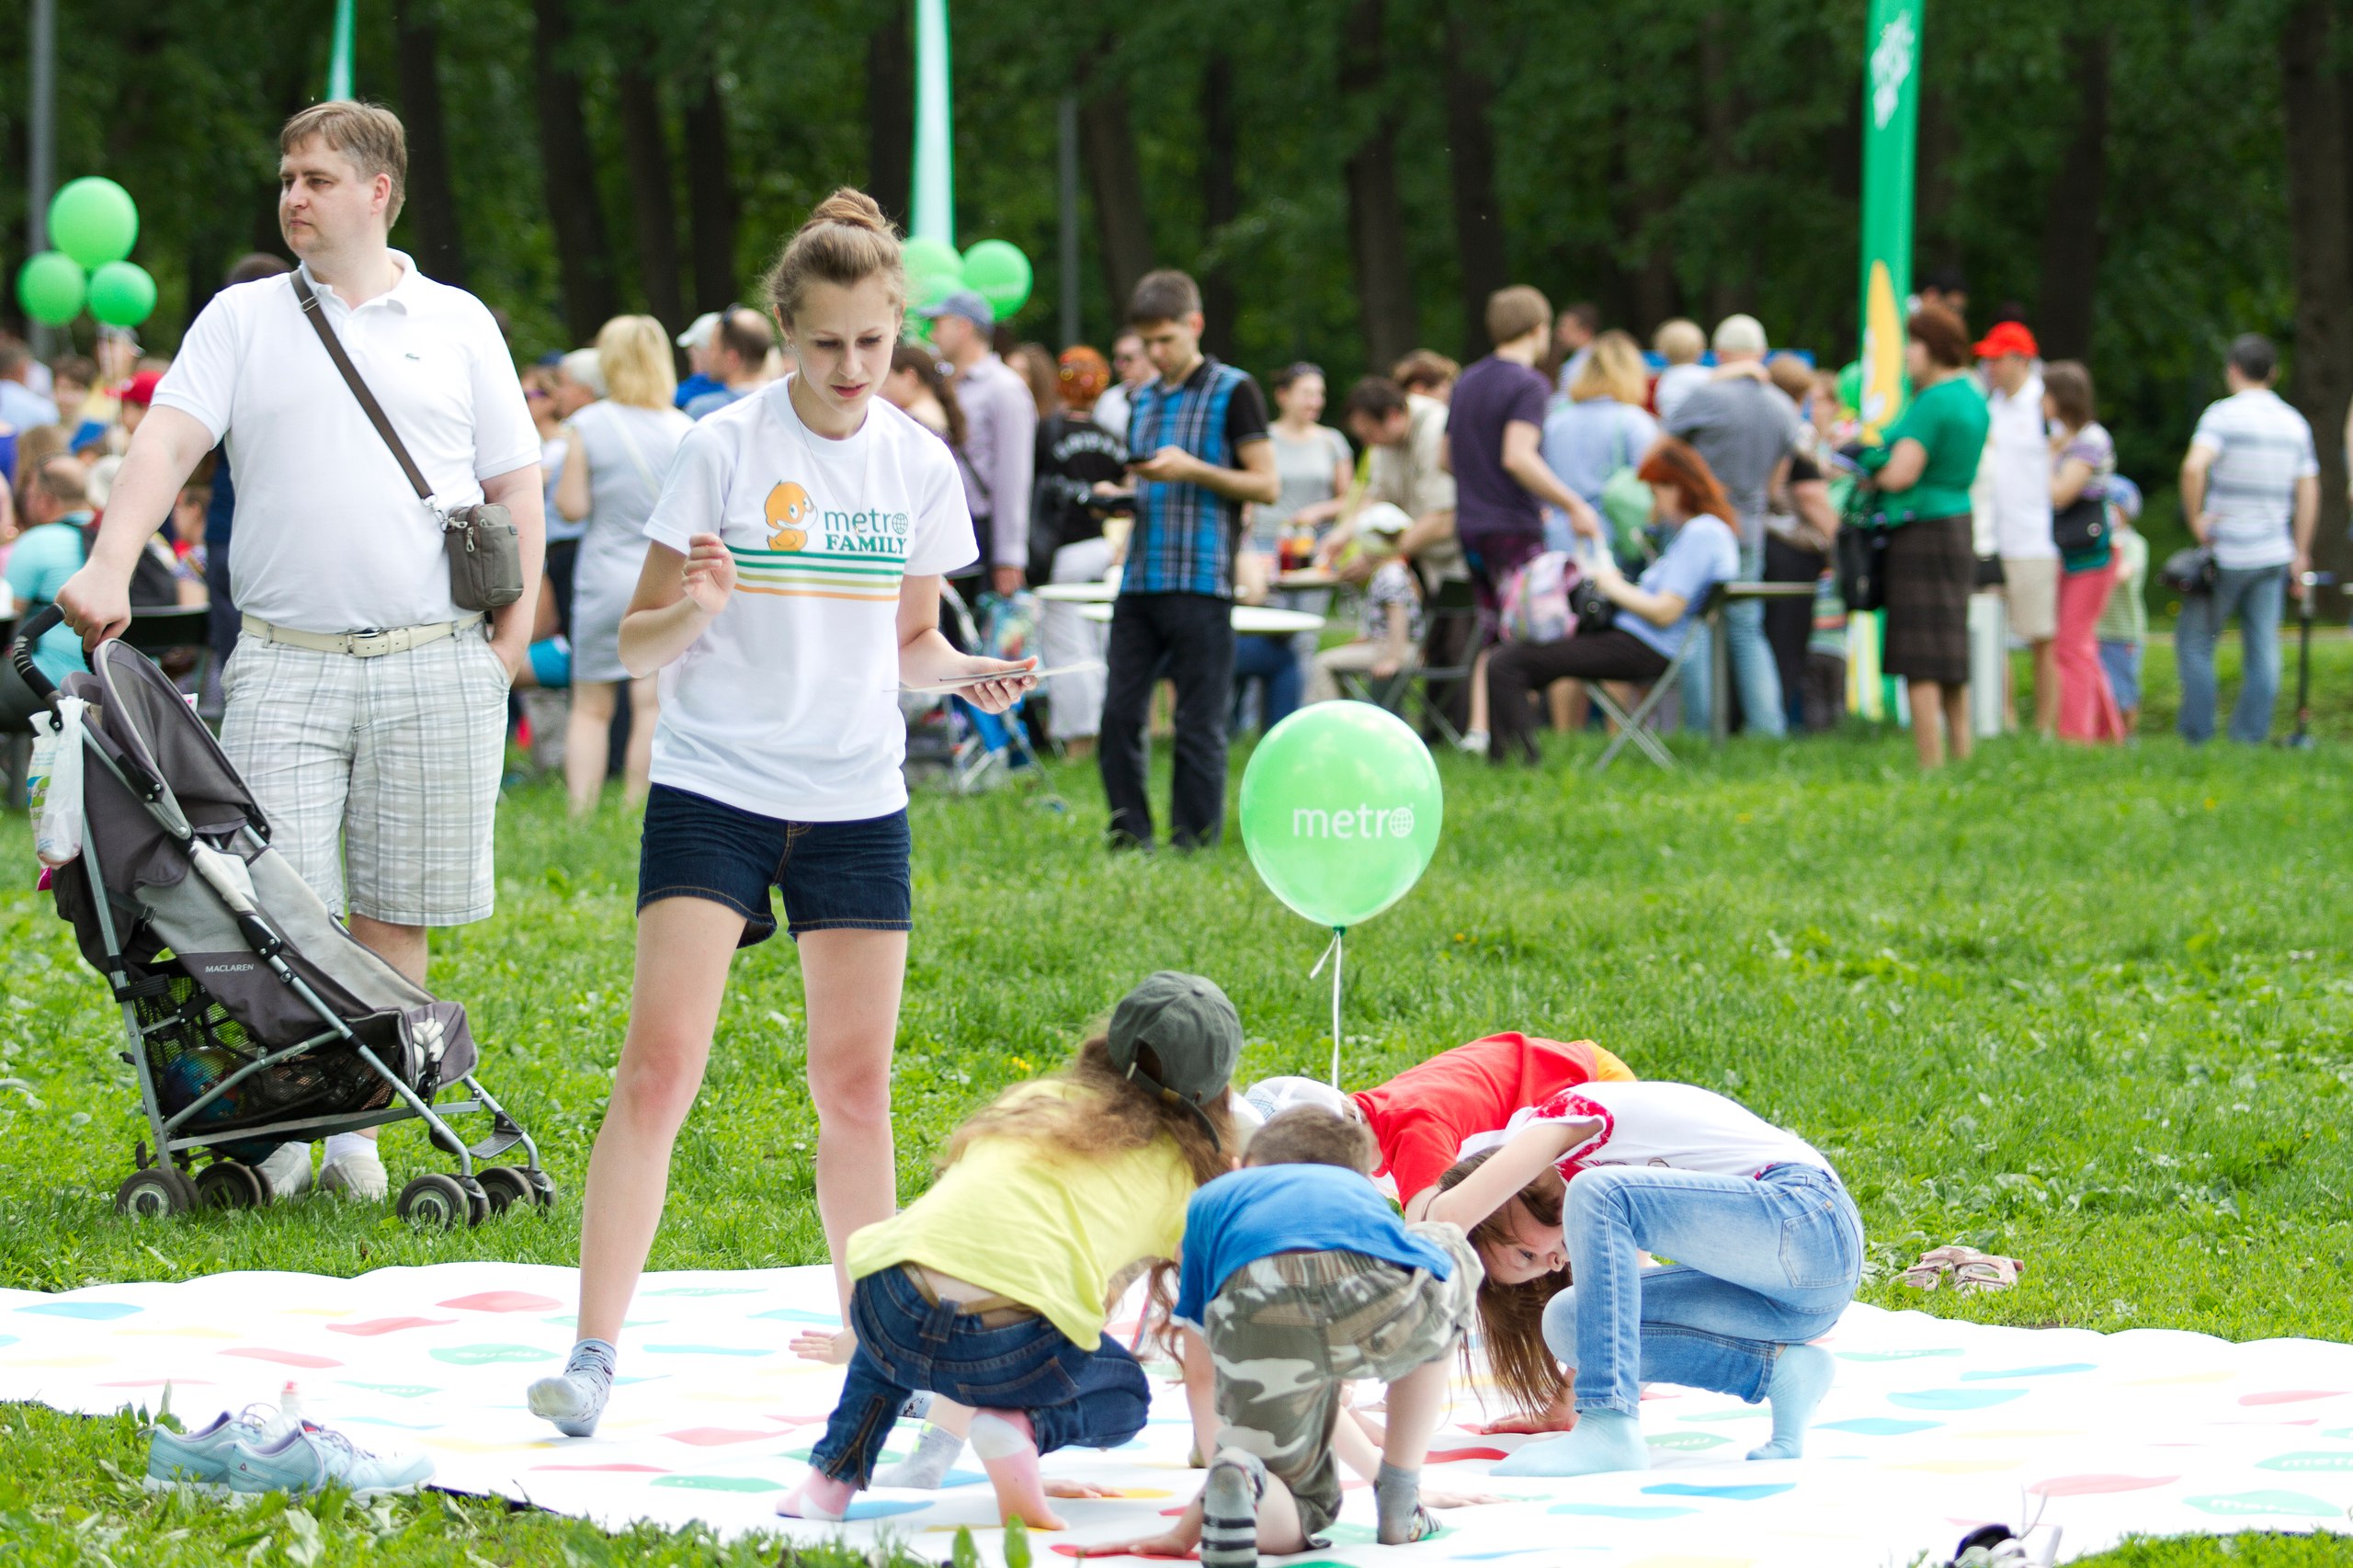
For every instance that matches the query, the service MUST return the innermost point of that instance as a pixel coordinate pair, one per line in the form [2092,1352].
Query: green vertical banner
[1891,123]
[934,205]
[339,53]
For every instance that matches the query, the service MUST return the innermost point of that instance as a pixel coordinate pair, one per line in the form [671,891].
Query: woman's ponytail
[846,241]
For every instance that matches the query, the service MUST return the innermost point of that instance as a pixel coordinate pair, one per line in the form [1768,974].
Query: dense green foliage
[1687,155]
[2021,1004]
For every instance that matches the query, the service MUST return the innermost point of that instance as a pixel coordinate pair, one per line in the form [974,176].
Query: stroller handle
[39,624]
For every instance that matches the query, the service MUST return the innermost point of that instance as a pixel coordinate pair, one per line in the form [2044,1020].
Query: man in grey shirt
[1000,435]
[1746,427]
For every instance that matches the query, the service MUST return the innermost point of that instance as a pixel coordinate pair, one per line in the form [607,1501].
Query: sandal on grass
[1986,1272]
[1935,1263]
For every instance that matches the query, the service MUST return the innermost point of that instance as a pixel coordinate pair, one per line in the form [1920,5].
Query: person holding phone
[791,586]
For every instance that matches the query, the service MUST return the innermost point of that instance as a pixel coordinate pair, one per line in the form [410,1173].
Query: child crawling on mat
[991,1288]
[1299,1279]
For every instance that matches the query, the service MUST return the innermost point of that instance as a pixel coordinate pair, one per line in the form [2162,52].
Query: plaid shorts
[379,775]
[1289,1331]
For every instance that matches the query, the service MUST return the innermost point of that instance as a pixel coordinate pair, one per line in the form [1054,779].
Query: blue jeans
[2256,595]
[1274,660]
[1759,1264]
[2121,661]
[1074,1398]
[1749,655]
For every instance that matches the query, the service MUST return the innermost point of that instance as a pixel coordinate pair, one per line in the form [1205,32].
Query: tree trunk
[432,204]
[710,194]
[2315,100]
[1376,217]
[1220,202]
[583,256]
[2071,222]
[1471,149]
[654,205]
[890,114]
[1116,182]
[1733,287]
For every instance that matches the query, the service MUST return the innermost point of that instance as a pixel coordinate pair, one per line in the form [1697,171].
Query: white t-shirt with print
[787,704]
[1679,1126]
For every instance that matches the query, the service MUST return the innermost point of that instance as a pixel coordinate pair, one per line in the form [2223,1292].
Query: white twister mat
[1933,1426]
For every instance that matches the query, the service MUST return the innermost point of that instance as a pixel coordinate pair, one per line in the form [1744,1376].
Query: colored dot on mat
[375,1326]
[2292,1504]
[2093,1485]
[1876,1425]
[725,1483]
[92,1311]
[283,1358]
[1620,1510]
[501,1301]
[490,1355]
[1735,1494]
[717,1436]
[2288,1396]
[1955,1399]
[2322,1461]
[2027,1372]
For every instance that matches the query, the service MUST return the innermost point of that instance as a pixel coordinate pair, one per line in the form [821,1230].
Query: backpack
[1534,599]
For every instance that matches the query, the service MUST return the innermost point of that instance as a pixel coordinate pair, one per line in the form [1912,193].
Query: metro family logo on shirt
[816,553]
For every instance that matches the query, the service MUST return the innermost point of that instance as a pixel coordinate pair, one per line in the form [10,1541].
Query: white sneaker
[1474,742]
[288,1171]
[358,1173]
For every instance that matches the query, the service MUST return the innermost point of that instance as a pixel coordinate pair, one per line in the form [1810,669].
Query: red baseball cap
[2008,337]
[141,390]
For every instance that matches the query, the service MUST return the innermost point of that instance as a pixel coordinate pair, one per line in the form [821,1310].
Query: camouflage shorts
[1289,1331]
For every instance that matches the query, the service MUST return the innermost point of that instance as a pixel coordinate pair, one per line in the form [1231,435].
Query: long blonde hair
[1614,369]
[1511,1317]
[633,353]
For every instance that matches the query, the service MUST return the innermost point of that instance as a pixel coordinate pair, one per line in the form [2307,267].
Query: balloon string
[1335,957]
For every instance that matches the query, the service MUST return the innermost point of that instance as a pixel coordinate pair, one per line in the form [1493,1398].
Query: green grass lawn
[2092,1010]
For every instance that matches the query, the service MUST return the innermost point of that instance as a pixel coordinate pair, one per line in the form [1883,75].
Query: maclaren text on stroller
[254,1017]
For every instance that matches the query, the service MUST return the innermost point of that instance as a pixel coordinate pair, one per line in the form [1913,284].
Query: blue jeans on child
[1274,663]
[1074,1399]
[2256,594]
[1760,1263]
[2121,663]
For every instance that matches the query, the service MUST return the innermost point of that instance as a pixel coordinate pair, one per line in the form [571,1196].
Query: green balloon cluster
[1341,808]
[93,223]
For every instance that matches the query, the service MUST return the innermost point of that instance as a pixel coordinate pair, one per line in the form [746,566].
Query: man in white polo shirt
[2250,491]
[367,711]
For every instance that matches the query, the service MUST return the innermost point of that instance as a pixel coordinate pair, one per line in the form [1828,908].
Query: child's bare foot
[818,1497]
[1007,1446]
[1560,1418]
[834,1349]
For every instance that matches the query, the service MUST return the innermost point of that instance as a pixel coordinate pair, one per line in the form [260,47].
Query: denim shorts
[834,876]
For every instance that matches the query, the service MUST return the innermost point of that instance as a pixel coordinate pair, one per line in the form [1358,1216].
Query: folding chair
[1449,647]
[1635,726]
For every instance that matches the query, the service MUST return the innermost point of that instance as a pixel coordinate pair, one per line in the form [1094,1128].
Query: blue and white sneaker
[199,1461]
[314,1459]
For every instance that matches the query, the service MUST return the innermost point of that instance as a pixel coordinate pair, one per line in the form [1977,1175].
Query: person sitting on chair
[1388,634]
[1653,615]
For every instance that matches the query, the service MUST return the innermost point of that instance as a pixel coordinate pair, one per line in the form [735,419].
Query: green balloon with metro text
[1341,808]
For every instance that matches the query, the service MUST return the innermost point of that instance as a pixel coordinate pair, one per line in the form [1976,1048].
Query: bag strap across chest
[351,378]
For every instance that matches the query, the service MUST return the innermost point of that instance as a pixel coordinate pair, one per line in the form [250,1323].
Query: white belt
[372,644]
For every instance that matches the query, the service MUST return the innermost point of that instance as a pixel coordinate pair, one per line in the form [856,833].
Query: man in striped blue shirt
[1198,436]
[2250,489]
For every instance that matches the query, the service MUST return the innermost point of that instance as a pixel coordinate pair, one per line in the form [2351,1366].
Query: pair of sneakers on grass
[351,1168]
[259,1450]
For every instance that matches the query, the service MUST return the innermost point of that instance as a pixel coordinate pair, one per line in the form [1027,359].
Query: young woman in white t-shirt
[790,588]
[1767,1249]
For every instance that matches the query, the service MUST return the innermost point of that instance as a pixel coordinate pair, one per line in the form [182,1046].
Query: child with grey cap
[992,1289]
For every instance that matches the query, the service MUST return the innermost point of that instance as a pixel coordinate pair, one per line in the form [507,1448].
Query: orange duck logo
[789,511]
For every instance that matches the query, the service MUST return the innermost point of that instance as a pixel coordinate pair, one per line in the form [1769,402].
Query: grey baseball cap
[963,302]
[1193,1031]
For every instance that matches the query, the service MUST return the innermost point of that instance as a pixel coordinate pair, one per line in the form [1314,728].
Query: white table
[1078,593]
[1249,620]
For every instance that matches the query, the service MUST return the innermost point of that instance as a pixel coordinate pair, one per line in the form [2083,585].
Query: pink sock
[818,1497]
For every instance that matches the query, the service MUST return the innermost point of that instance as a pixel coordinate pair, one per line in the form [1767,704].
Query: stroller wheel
[477,1199]
[434,1200]
[155,1193]
[226,1184]
[507,1186]
[542,1187]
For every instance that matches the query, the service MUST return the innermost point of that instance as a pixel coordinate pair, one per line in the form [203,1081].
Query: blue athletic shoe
[201,1460]
[314,1459]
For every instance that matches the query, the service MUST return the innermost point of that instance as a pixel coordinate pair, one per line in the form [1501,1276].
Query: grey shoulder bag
[485,550]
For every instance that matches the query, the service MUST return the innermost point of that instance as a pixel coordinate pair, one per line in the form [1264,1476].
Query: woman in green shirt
[1924,473]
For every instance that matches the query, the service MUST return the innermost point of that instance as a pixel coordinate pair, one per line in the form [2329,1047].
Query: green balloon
[93,221]
[930,259]
[1001,275]
[121,294]
[1850,386]
[1340,810]
[50,286]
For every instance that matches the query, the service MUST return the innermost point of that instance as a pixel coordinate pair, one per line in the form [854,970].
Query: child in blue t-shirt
[1299,1277]
[43,557]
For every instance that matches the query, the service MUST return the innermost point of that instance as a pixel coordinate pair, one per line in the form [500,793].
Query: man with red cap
[2017,473]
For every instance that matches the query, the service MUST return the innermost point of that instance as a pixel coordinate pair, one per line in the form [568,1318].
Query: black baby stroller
[254,1017]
